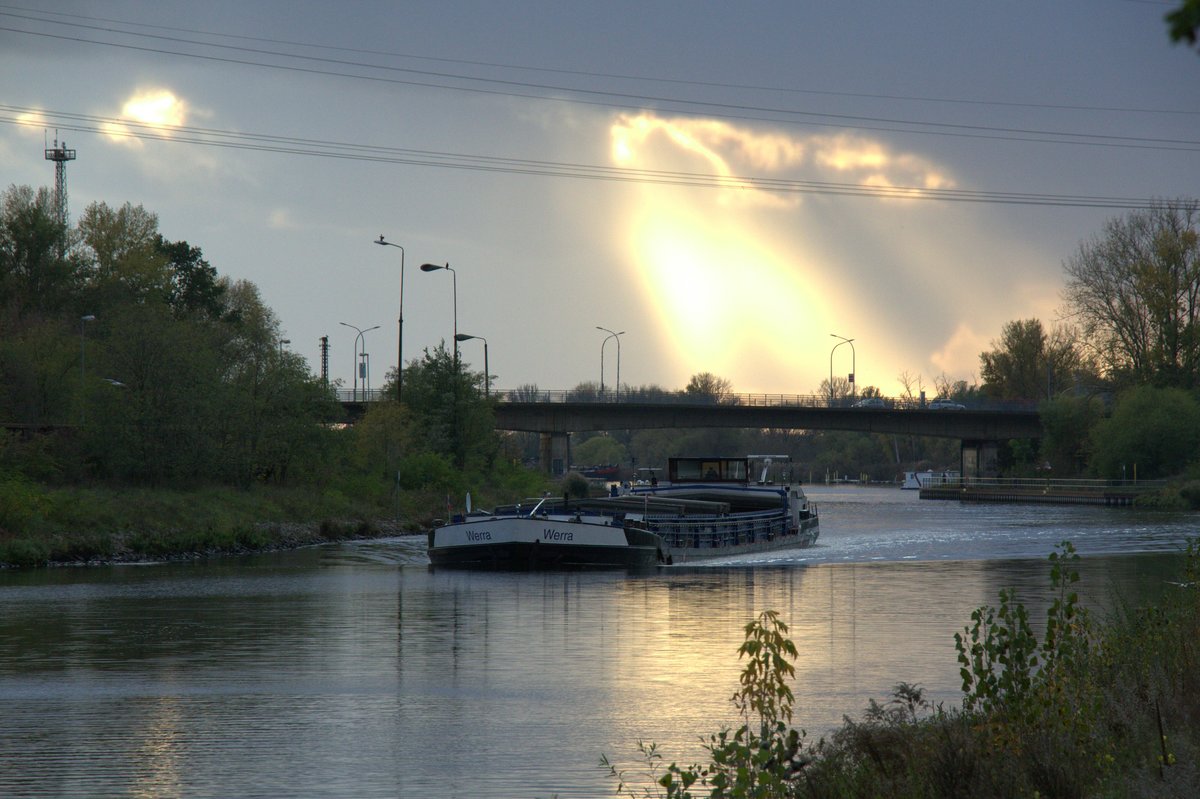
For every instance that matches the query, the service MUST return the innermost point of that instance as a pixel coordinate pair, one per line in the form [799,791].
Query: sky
[731,186]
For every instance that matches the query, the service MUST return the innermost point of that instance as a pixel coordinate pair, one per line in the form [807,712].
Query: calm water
[354,671]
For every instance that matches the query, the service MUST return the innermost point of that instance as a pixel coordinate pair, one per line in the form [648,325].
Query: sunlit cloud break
[731,271]
[32,119]
[737,155]
[159,109]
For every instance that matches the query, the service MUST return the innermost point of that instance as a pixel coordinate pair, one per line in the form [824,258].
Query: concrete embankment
[1049,494]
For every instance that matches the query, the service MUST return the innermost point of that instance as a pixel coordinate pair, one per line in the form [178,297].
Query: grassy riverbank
[1093,708]
[41,525]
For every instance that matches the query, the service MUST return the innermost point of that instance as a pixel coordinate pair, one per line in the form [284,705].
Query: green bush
[24,552]
[575,485]
[1110,711]
[1190,493]
[22,504]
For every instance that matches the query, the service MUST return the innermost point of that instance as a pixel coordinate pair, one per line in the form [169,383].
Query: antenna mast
[60,155]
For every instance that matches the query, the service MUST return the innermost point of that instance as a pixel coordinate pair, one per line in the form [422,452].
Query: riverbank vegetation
[1084,708]
[132,372]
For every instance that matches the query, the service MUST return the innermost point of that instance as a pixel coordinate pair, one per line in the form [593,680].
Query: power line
[291,145]
[689,107]
[603,75]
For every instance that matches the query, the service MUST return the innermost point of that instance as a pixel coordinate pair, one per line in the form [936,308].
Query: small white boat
[927,479]
[706,508]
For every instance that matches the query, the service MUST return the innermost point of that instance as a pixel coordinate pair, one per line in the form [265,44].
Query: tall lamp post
[83,320]
[459,454]
[844,340]
[400,334]
[357,341]
[617,336]
[487,375]
[454,275]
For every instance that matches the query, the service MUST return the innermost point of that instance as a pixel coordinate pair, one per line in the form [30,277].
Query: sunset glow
[738,287]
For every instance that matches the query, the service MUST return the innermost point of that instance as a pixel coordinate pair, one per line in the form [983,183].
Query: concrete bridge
[555,415]
[567,416]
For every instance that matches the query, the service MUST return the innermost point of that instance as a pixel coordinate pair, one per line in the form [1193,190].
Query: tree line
[127,358]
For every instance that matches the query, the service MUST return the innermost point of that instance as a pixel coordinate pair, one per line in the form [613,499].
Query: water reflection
[355,671]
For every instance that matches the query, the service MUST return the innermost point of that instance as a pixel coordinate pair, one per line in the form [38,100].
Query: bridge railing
[351,395]
[750,400]
[635,397]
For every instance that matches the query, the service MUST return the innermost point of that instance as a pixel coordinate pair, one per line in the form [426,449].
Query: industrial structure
[60,155]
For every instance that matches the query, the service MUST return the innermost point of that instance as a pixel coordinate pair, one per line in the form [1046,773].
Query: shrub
[762,756]
[575,485]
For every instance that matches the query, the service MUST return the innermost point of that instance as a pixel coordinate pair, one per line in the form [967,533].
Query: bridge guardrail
[635,397]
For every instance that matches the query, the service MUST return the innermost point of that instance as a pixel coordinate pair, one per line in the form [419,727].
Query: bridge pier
[554,453]
[979,458]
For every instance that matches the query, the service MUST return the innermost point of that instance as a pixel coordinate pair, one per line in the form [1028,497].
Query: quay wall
[1049,496]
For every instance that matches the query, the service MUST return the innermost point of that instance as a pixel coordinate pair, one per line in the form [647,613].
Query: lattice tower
[60,155]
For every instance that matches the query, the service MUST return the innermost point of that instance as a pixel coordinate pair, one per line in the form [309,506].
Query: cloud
[281,219]
[872,163]
[960,354]
[154,110]
[32,122]
[722,149]
[705,147]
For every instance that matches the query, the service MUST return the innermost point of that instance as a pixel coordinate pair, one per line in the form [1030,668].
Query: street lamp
[400,335]
[459,455]
[487,376]
[364,371]
[434,268]
[617,336]
[844,340]
[283,341]
[83,320]
[357,340]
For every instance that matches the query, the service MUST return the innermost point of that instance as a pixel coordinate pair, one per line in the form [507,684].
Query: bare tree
[707,385]
[1135,293]
[913,385]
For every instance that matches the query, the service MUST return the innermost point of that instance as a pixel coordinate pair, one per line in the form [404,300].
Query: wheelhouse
[708,470]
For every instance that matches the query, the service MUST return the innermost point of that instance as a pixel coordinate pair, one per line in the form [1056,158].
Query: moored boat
[927,479]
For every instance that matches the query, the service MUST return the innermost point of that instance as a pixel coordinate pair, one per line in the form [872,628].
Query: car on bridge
[946,404]
[871,402]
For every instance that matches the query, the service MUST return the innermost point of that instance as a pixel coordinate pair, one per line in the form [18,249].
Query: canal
[355,671]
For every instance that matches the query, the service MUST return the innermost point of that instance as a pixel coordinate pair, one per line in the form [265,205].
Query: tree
[1184,22]
[161,425]
[708,386]
[1027,363]
[449,411]
[127,265]
[194,287]
[1135,292]
[960,390]
[36,277]
[1067,424]
[599,451]
[839,389]
[1153,432]
[40,375]
[588,391]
